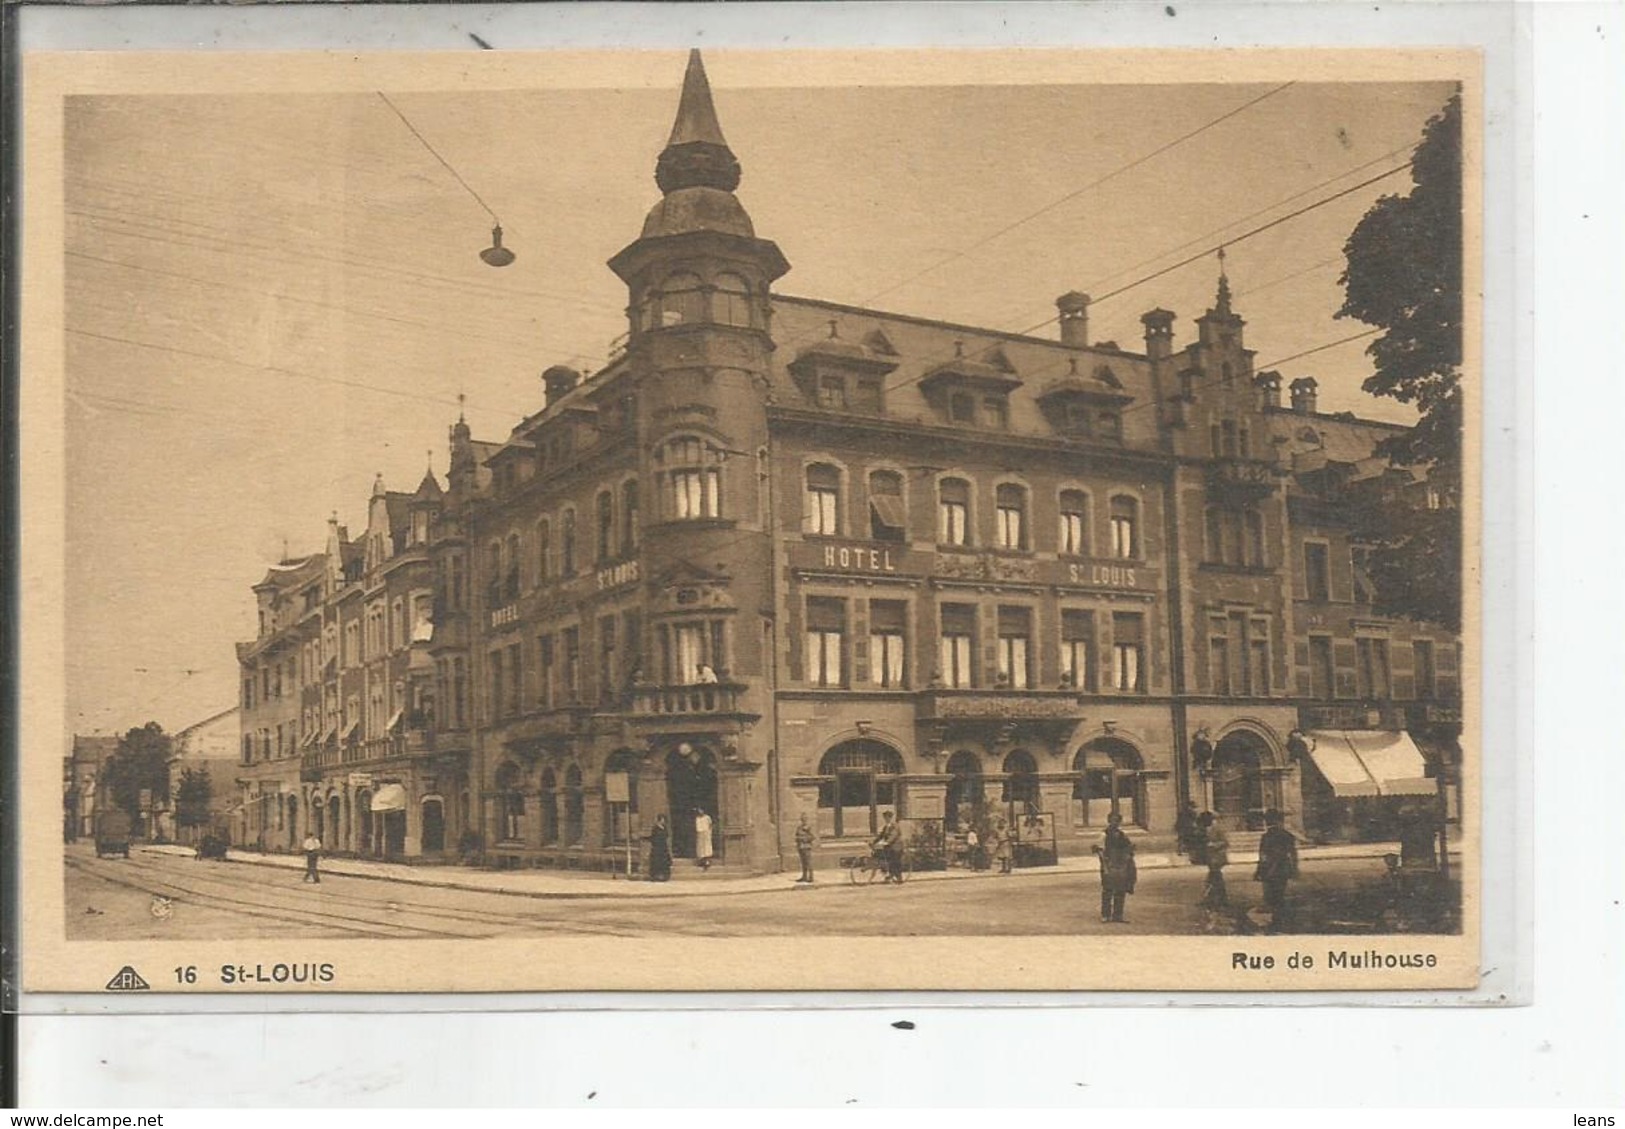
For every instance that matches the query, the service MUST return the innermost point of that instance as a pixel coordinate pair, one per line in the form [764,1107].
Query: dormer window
[962,408]
[996,410]
[832,392]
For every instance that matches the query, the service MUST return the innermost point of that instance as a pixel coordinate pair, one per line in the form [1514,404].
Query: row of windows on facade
[387,709]
[616,533]
[408,621]
[1373,673]
[987,411]
[830,656]
[825,514]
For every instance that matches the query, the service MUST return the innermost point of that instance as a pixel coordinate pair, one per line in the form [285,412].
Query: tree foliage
[141,761]
[193,792]
[1404,275]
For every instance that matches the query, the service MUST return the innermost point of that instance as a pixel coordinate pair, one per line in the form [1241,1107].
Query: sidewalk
[554,884]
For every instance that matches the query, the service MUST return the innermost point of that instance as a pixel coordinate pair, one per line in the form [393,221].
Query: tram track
[407,917]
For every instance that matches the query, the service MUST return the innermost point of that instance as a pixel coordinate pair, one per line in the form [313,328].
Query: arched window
[693,479]
[549,807]
[1010,517]
[822,514]
[544,551]
[1109,780]
[1073,534]
[629,518]
[682,300]
[567,544]
[730,303]
[859,781]
[1125,521]
[1021,783]
[575,807]
[888,517]
[606,525]
[953,511]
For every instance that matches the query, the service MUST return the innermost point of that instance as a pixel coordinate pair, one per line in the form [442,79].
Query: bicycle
[865,869]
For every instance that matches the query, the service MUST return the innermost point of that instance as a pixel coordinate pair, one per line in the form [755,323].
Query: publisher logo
[128,980]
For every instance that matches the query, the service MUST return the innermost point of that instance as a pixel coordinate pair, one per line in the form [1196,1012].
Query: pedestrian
[1186,832]
[1216,854]
[1004,848]
[805,838]
[974,851]
[1117,870]
[703,848]
[312,846]
[660,851]
[1277,864]
[888,848]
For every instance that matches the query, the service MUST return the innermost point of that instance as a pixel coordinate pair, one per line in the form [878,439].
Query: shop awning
[1370,763]
[332,732]
[389,797]
[394,720]
[350,729]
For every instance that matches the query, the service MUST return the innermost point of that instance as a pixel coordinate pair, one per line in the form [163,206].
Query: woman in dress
[659,851]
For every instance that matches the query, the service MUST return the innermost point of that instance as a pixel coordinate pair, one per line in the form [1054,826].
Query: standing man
[888,845]
[1277,865]
[1217,844]
[312,846]
[804,847]
[702,839]
[1185,831]
[1117,869]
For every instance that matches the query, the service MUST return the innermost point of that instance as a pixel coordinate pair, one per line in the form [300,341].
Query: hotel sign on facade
[867,559]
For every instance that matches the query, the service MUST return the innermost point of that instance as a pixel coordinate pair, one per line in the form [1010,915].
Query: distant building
[784,555]
[81,783]
[210,745]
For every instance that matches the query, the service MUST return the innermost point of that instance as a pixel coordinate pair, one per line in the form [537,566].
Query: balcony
[655,705]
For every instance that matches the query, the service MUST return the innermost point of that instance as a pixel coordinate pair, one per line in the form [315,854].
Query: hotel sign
[616,575]
[859,558]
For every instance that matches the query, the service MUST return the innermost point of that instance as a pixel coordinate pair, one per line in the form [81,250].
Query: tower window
[693,480]
[731,301]
[682,301]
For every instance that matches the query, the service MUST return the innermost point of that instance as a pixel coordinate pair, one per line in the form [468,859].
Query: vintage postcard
[751,520]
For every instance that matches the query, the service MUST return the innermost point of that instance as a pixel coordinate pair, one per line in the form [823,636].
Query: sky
[272,298]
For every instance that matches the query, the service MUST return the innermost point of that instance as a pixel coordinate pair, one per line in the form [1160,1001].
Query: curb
[715,889]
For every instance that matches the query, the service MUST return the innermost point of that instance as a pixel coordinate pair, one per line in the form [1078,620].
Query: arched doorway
[1238,780]
[318,825]
[335,824]
[1021,783]
[965,798]
[860,780]
[1109,780]
[293,822]
[511,804]
[691,786]
[434,825]
[363,823]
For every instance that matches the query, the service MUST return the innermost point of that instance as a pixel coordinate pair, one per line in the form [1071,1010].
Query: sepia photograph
[729,519]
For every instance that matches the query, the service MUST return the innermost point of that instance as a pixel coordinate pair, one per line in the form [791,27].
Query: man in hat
[1117,869]
[1277,864]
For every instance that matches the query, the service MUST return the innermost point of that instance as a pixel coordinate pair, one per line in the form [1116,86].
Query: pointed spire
[1221,303]
[696,113]
[696,155]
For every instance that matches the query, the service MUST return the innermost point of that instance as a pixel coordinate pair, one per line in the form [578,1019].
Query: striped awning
[1370,763]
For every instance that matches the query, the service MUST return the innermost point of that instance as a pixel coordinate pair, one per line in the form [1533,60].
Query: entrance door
[691,787]
[965,796]
[1238,783]
[394,834]
[434,827]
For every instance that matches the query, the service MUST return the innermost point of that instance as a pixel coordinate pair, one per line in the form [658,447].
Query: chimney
[1303,392]
[1159,333]
[1074,308]
[557,381]
[1269,389]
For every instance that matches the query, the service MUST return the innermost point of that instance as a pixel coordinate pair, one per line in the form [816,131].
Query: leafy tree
[141,761]
[192,795]
[1404,275]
